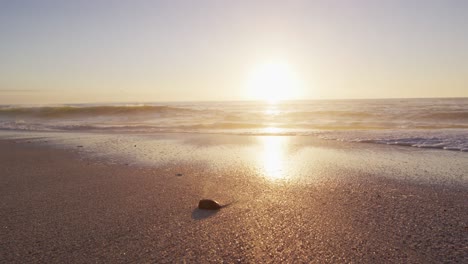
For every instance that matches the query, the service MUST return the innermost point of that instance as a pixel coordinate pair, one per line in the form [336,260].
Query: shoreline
[59,207]
[316,135]
[296,158]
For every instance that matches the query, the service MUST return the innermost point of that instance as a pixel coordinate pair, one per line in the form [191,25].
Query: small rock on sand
[208,204]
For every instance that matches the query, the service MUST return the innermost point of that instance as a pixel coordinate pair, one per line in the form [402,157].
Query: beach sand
[58,207]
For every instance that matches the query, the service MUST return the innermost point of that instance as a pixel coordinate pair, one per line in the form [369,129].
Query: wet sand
[57,206]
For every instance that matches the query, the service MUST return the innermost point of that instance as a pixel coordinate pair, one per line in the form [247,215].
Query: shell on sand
[208,204]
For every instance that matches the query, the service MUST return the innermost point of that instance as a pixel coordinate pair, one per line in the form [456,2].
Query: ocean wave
[330,113]
[214,126]
[362,116]
[89,111]
[444,139]
[446,115]
[356,121]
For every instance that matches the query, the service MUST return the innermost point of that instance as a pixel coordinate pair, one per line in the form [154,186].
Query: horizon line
[245,100]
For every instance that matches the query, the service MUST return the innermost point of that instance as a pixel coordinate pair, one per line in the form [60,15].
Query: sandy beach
[58,206]
[233,131]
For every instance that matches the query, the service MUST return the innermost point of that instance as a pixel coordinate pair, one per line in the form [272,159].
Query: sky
[139,51]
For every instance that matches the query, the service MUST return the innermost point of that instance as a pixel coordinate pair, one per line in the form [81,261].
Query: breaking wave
[73,111]
[431,123]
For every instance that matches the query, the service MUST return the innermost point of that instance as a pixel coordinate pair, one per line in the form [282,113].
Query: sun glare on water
[273,82]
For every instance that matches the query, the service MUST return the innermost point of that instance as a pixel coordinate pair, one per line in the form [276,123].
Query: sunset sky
[118,51]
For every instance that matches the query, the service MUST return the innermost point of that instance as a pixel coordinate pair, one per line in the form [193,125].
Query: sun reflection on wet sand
[272,158]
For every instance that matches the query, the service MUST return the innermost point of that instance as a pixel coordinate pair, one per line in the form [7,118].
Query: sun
[273,82]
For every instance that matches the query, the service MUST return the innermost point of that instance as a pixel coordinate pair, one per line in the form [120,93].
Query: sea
[438,123]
